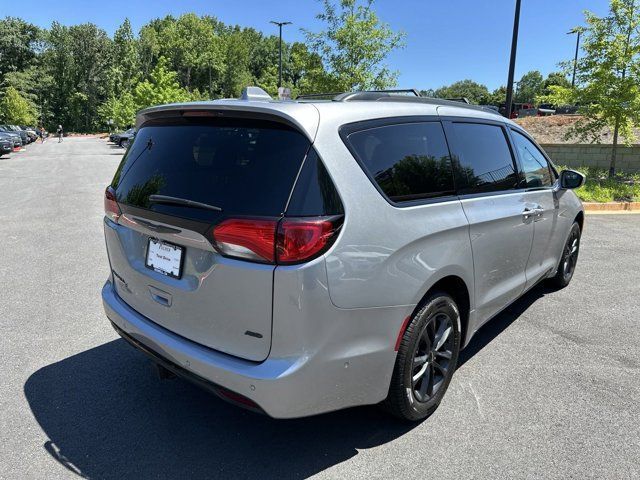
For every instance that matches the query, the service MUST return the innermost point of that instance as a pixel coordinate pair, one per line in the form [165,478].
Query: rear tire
[426,360]
[569,259]
[122,143]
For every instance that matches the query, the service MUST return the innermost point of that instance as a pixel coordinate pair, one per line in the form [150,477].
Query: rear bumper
[286,387]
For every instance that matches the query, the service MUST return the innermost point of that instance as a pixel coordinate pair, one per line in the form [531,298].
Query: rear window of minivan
[243,166]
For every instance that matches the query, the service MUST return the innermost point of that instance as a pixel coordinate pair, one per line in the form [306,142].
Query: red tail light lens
[292,240]
[111,207]
[246,238]
[301,239]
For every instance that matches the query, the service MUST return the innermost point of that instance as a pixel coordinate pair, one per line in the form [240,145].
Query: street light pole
[280,25]
[577,30]
[512,61]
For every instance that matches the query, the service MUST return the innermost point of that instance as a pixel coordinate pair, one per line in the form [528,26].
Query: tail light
[111,207]
[246,238]
[289,241]
[301,239]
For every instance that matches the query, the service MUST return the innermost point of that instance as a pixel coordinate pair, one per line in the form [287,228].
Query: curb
[612,207]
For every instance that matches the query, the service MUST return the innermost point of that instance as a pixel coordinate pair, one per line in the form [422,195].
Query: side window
[534,166]
[408,161]
[314,193]
[485,163]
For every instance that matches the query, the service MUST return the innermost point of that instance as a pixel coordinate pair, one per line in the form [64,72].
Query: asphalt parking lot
[549,389]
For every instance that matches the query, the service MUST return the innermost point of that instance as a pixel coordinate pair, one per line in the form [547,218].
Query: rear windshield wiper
[164,199]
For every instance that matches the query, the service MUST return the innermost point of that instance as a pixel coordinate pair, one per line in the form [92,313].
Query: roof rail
[376,94]
[432,101]
[395,96]
[343,96]
[318,96]
[461,100]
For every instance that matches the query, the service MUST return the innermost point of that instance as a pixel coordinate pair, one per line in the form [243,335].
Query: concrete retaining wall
[576,155]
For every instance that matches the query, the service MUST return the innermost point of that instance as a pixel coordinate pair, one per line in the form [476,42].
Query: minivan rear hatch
[185,173]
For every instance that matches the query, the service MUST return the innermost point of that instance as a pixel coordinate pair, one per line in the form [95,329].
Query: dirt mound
[553,129]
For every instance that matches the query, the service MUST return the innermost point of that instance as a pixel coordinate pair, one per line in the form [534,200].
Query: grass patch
[625,187]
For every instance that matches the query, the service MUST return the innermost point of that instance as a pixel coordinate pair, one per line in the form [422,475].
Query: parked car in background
[31,131]
[567,109]
[6,145]
[17,138]
[123,138]
[17,130]
[305,256]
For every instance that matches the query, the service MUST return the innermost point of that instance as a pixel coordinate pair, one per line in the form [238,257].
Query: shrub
[599,187]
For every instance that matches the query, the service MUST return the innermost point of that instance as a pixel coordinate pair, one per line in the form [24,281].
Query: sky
[446,40]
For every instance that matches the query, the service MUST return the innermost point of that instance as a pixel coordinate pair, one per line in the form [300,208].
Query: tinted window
[534,165]
[245,167]
[408,161]
[485,163]
[314,193]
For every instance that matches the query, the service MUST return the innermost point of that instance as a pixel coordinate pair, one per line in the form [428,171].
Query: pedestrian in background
[60,132]
[42,134]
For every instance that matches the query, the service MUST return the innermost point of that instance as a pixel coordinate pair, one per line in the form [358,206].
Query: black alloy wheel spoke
[432,357]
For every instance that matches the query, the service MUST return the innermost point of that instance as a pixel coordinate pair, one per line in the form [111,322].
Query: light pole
[577,30]
[512,61]
[280,25]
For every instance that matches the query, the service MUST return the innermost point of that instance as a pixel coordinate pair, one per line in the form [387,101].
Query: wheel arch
[580,219]
[455,286]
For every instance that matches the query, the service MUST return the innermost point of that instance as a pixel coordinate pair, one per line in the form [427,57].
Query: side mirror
[571,179]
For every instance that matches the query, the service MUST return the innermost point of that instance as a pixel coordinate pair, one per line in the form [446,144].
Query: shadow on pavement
[108,416]
[501,322]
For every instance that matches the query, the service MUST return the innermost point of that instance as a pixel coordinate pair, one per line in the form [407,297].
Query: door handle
[528,212]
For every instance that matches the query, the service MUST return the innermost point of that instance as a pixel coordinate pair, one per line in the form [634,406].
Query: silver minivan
[298,257]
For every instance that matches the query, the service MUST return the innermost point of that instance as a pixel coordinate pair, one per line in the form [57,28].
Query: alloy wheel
[570,256]
[432,357]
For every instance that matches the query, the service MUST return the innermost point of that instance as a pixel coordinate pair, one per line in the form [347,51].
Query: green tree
[472,91]
[19,44]
[16,110]
[161,87]
[529,87]
[237,54]
[554,78]
[79,60]
[191,47]
[354,46]
[126,61]
[607,78]
[118,112]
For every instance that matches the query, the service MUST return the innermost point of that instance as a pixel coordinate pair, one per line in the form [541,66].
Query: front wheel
[569,259]
[426,360]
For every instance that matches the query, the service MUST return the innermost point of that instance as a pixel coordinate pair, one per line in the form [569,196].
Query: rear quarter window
[407,161]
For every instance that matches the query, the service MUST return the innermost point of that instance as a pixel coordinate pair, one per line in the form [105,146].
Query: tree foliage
[472,91]
[607,76]
[354,46]
[15,109]
[529,87]
[81,78]
[161,87]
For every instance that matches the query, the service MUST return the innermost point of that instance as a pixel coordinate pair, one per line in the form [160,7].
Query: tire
[409,399]
[122,143]
[568,260]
